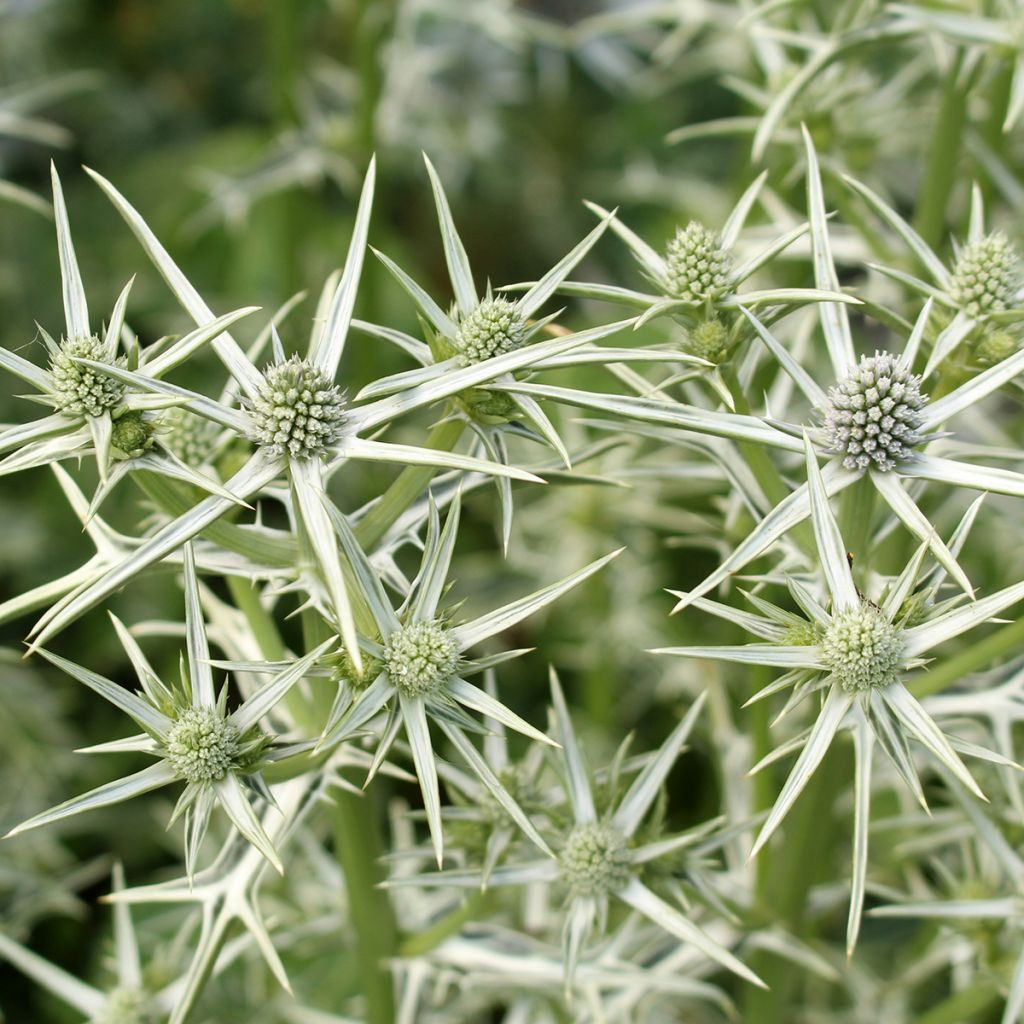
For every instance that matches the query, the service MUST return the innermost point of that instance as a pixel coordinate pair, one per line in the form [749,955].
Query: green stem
[473,908]
[407,487]
[359,847]
[1007,640]
[967,1004]
[261,622]
[856,509]
[941,166]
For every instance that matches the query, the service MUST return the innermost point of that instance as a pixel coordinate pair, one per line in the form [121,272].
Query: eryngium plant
[424,761]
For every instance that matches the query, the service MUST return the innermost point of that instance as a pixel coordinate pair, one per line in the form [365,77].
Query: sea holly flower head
[191,438]
[492,328]
[862,648]
[986,277]
[79,390]
[297,410]
[594,860]
[873,414]
[979,295]
[857,657]
[216,753]
[696,265]
[424,668]
[421,657]
[132,434]
[601,853]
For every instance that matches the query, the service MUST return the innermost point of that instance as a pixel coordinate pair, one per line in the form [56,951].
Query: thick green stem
[972,1003]
[359,847]
[943,149]
[856,510]
[407,487]
[474,907]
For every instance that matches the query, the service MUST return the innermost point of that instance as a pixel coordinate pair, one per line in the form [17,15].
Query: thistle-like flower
[598,855]
[420,668]
[855,653]
[874,422]
[217,754]
[874,415]
[981,291]
[132,1000]
[88,402]
[293,411]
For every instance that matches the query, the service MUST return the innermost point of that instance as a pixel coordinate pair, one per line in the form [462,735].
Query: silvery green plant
[382,803]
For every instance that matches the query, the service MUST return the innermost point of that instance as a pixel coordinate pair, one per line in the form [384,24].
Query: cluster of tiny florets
[708,340]
[192,438]
[127,1006]
[80,390]
[595,860]
[696,265]
[132,434]
[862,648]
[874,413]
[297,410]
[495,327]
[987,276]
[202,746]
[421,657]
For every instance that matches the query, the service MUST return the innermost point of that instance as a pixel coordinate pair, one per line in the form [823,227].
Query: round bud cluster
[80,390]
[594,860]
[127,1006]
[202,746]
[421,657]
[696,266]
[987,276]
[297,410]
[708,340]
[874,414]
[131,434]
[192,438]
[495,327]
[862,648]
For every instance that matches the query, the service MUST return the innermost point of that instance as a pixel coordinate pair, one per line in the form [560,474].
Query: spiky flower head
[495,327]
[127,1006]
[696,266]
[874,414]
[132,434]
[594,860]
[297,410]
[421,657]
[81,390]
[192,438]
[987,276]
[202,746]
[862,648]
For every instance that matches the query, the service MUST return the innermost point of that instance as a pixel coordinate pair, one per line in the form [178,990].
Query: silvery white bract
[426,742]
